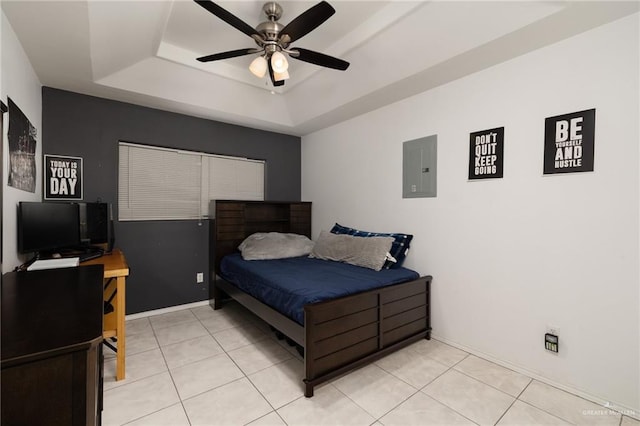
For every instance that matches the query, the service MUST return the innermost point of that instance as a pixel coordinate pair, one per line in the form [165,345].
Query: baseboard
[607,405]
[166,310]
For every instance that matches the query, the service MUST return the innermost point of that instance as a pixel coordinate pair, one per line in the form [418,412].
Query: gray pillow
[274,245]
[369,252]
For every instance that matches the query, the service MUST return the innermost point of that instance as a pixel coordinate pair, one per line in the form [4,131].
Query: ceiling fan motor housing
[269,30]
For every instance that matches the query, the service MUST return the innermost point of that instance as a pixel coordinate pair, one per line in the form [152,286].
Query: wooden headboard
[236,220]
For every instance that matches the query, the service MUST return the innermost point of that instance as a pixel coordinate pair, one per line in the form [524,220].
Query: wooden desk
[116,270]
[51,345]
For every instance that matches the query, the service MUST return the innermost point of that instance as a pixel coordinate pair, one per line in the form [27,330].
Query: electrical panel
[419,167]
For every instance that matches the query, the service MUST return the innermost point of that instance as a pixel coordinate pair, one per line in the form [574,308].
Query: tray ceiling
[144,52]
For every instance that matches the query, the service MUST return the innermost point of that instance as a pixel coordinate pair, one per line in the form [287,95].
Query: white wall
[511,256]
[20,83]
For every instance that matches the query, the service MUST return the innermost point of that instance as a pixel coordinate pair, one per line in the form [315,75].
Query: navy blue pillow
[399,248]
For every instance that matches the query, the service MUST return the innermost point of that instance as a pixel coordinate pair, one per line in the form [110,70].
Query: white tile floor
[204,367]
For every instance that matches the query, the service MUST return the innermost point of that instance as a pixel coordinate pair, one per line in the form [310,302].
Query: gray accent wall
[163,256]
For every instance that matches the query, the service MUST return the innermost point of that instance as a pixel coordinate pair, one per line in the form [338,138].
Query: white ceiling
[144,52]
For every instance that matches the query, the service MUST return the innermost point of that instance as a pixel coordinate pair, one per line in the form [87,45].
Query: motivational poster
[63,178]
[486,153]
[569,142]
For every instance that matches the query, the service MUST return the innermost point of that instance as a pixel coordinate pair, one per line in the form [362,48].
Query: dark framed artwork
[62,177]
[486,154]
[22,150]
[569,142]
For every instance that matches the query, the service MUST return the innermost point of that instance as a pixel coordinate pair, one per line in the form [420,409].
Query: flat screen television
[47,227]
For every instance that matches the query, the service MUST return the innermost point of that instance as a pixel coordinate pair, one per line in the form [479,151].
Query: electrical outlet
[551,342]
[552,339]
[199,277]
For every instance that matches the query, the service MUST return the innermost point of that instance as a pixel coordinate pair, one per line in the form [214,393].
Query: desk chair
[108,308]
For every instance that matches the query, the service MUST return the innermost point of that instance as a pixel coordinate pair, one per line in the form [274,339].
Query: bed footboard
[349,332]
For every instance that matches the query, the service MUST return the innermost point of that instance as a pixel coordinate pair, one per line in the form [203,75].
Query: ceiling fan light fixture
[258,66]
[279,62]
[279,76]
[274,39]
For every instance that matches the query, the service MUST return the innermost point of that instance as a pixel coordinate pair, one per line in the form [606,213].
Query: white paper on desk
[64,262]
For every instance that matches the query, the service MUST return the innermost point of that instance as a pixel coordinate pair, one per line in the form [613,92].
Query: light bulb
[279,62]
[258,66]
[279,76]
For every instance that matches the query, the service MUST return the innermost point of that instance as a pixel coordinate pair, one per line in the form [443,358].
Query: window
[167,184]
[228,178]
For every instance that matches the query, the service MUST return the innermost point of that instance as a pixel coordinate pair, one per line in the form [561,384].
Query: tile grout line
[168,370]
[184,409]
[545,411]
[152,375]
[516,398]
[563,391]
[440,402]
[488,384]
[395,406]
[506,411]
[245,376]
[274,410]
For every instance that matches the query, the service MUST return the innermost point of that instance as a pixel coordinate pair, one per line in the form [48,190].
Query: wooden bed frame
[339,335]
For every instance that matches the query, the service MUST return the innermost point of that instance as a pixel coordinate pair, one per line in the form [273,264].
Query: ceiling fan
[273,39]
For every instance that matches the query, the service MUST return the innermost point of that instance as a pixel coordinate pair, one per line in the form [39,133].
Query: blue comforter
[288,284]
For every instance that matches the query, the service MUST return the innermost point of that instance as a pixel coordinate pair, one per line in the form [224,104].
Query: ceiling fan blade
[318,59]
[306,22]
[228,17]
[273,77]
[227,55]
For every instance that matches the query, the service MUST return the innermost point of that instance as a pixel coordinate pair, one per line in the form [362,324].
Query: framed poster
[486,154]
[569,142]
[22,150]
[62,177]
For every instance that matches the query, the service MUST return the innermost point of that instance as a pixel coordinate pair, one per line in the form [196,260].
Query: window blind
[233,179]
[164,184]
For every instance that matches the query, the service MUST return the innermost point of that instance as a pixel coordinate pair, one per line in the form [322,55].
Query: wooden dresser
[51,346]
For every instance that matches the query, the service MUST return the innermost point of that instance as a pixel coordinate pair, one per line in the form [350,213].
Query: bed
[337,334]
